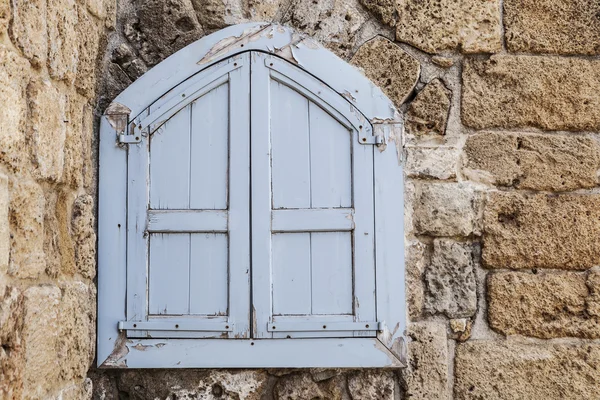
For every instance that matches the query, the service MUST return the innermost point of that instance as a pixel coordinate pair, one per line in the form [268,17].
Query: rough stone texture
[541,231]
[389,67]
[63,41]
[28,30]
[525,91]
[550,26]
[541,305]
[450,280]
[47,128]
[513,370]
[372,385]
[4,228]
[26,216]
[426,377]
[428,113]
[300,387]
[432,162]
[414,262]
[84,236]
[593,299]
[530,161]
[13,113]
[385,10]
[446,209]
[12,358]
[89,36]
[435,25]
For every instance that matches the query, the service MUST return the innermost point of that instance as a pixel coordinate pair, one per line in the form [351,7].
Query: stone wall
[501,101]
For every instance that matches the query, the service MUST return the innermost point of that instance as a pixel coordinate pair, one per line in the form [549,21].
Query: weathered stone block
[446,209]
[26,213]
[372,385]
[74,147]
[28,30]
[530,91]
[389,67]
[543,305]
[513,370]
[384,10]
[426,377]
[13,83]
[428,113]
[262,10]
[12,357]
[432,162]
[450,280]
[63,40]
[541,231]
[415,261]
[84,236]
[4,226]
[89,34]
[40,332]
[593,300]
[551,26]
[435,25]
[530,161]
[300,387]
[47,128]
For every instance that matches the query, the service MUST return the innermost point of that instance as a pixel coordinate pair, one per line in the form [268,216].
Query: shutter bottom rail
[176,325]
[322,326]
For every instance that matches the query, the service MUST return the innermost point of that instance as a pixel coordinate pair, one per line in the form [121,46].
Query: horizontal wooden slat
[300,326]
[187,221]
[312,220]
[177,325]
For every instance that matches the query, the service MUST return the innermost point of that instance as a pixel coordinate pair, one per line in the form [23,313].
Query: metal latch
[132,136]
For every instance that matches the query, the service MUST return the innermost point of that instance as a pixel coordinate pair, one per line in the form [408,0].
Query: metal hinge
[365,136]
[131,137]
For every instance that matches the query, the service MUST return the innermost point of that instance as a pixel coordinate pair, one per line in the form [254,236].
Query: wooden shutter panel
[188,216]
[312,208]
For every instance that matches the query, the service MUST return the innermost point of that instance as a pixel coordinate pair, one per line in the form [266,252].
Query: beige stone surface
[446,209]
[531,161]
[74,146]
[444,62]
[389,67]
[13,113]
[432,162]
[12,356]
[541,231]
[384,10]
[486,370]
[593,299]
[553,26]
[90,34]
[531,91]
[47,128]
[426,378]
[450,280]
[84,235]
[4,227]
[372,385]
[63,40]
[435,25]
[29,30]
[26,213]
[428,113]
[541,305]
[40,333]
[414,262]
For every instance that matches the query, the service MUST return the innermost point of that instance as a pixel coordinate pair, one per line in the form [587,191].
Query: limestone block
[12,356]
[531,91]
[89,169]
[4,227]
[512,370]
[432,162]
[300,387]
[426,378]
[450,280]
[63,40]
[40,333]
[414,262]
[428,113]
[541,305]
[47,128]
[26,213]
[530,161]
[84,235]
[13,83]
[551,26]
[541,231]
[77,330]
[29,30]
[384,10]
[474,26]
[372,385]
[444,62]
[446,209]
[74,148]
[593,300]
[263,10]
[89,33]
[389,67]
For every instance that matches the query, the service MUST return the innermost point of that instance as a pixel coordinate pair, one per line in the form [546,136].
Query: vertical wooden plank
[291,148]
[239,199]
[330,160]
[209,150]
[291,274]
[169,274]
[170,163]
[261,196]
[208,286]
[331,261]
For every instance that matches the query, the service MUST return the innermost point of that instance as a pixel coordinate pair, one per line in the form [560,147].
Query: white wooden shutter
[188,260]
[313,268]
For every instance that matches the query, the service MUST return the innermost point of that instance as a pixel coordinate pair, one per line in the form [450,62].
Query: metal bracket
[132,136]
